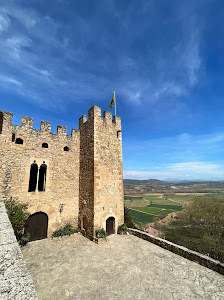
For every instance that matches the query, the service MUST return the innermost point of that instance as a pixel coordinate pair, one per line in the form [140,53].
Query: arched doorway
[36,225]
[110,225]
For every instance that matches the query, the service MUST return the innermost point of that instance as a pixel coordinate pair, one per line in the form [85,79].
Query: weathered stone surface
[86,180]
[15,282]
[101,171]
[180,250]
[125,267]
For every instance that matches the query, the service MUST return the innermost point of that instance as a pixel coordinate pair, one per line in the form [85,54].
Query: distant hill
[135,186]
[148,181]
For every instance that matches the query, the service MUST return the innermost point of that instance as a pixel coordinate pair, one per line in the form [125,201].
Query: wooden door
[36,225]
[110,226]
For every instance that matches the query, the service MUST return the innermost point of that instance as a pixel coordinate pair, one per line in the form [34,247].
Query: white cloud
[49,53]
[16,44]
[26,17]
[190,58]
[181,171]
[11,81]
[4,22]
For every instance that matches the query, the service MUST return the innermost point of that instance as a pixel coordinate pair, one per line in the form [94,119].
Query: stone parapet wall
[15,281]
[182,251]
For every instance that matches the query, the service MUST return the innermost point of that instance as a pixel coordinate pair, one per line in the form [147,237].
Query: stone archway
[37,225]
[110,225]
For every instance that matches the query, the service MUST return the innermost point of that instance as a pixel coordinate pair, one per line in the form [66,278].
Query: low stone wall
[15,281]
[182,251]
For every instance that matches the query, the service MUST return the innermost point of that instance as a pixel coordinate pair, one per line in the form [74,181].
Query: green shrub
[128,218]
[200,227]
[24,239]
[66,230]
[100,233]
[122,229]
[17,215]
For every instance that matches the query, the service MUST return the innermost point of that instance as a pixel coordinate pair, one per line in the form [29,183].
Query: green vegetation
[172,207]
[150,208]
[17,215]
[122,229]
[128,218]
[141,217]
[132,198]
[100,233]
[66,230]
[200,227]
[24,239]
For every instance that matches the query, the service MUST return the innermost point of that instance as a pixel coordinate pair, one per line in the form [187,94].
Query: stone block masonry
[101,172]
[15,281]
[75,178]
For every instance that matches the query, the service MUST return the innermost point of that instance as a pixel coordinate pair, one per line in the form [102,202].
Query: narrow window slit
[42,177]
[33,177]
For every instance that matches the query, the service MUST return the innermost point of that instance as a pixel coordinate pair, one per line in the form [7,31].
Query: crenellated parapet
[72,178]
[94,115]
[26,128]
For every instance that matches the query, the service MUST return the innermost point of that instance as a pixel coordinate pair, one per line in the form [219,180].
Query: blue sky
[164,59]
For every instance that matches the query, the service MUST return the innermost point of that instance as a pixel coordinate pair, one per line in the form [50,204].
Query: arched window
[13,137]
[19,141]
[42,177]
[44,145]
[66,148]
[33,177]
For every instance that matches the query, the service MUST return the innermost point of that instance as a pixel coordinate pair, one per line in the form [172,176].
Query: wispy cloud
[182,156]
[16,44]
[181,171]
[10,81]
[4,22]
[44,52]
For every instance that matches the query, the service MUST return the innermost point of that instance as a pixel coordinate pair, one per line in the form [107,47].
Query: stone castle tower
[75,178]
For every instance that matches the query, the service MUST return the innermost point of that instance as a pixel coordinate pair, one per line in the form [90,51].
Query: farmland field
[141,217]
[147,208]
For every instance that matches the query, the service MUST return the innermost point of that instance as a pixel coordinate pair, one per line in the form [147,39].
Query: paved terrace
[125,267]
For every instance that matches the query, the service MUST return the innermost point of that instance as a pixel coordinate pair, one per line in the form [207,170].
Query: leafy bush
[17,215]
[128,218]
[68,229]
[24,239]
[200,227]
[122,229]
[100,233]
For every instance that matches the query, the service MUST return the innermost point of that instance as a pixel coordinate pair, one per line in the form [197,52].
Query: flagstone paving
[125,267]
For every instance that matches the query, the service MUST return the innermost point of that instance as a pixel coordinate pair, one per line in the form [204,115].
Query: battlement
[74,178]
[95,115]
[7,127]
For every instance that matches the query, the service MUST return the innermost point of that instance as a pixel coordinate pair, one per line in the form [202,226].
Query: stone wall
[108,171]
[182,251]
[86,179]
[15,282]
[62,177]
[101,170]
[84,185]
